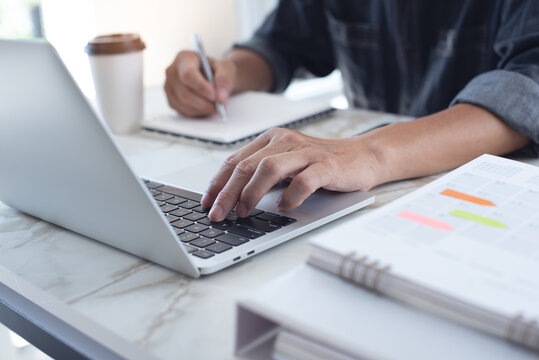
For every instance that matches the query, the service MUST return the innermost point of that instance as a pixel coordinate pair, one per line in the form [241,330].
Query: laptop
[60,162]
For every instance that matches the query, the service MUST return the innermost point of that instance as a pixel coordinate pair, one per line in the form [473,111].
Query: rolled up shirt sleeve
[294,37]
[511,91]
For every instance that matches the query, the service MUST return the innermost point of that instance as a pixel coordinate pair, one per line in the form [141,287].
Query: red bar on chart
[424,220]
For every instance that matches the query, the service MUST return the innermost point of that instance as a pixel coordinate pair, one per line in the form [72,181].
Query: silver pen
[208,73]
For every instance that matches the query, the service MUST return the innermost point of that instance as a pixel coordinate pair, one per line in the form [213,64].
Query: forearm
[252,71]
[439,142]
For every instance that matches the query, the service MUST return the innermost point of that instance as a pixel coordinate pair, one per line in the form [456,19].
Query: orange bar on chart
[437,224]
[466,197]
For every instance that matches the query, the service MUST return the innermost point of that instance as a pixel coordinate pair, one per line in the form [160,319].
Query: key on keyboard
[199,235]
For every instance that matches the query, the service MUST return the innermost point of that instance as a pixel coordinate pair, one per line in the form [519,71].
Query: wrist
[237,79]
[252,71]
[378,152]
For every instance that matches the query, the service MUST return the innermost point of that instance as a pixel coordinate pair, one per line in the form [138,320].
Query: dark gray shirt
[413,57]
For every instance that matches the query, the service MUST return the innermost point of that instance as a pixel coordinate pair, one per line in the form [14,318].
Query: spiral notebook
[465,246]
[249,114]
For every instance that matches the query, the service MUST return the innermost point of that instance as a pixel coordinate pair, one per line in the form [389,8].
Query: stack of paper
[465,246]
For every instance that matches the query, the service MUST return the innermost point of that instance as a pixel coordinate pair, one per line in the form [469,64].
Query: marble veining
[171,312]
[117,277]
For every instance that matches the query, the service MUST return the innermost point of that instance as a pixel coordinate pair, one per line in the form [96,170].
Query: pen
[206,68]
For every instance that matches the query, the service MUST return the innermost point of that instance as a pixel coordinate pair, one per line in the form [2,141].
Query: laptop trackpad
[194,178]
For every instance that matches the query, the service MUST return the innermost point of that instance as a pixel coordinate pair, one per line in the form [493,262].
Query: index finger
[218,182]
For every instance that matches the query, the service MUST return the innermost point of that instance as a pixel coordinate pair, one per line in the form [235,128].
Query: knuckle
[246,167]
[326,159]
[184,54]
[187,75]
[304,184]
[213,185]
[249,197]
[269,166]
[291,136]
[273,132]
[276,135]
[225,197]
[231,161]
[266,136]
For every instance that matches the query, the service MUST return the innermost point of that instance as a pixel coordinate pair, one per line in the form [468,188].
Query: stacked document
[310,314]
[463,248]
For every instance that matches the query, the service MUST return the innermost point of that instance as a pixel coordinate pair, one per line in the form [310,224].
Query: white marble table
[138,308]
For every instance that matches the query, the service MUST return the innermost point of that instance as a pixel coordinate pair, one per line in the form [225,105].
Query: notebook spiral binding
[359,269]
[523,332]
[362,271]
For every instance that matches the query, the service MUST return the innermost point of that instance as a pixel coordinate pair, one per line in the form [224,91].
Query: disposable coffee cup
[116,64]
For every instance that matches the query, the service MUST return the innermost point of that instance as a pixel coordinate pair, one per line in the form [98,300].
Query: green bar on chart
[479,219]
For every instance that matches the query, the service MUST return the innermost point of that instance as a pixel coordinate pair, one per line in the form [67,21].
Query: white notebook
[465,246]
[249,114]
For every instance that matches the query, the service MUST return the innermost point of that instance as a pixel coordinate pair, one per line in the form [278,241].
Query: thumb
[225,76]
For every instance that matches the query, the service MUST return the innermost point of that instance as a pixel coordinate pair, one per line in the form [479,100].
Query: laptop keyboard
[200,236]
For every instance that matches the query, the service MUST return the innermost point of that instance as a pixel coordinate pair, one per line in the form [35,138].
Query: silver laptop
[60,162]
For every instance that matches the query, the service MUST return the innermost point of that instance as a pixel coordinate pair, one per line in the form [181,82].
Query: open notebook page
[249,114]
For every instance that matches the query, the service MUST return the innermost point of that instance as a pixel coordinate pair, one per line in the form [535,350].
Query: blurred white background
[164,25]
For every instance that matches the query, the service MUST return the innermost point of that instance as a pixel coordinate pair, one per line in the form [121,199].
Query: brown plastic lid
[114,44]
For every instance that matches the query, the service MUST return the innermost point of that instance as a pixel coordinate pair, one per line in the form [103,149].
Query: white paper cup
[116,64]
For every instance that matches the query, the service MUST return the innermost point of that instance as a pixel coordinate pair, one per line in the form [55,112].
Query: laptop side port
[236,258]
[250,252]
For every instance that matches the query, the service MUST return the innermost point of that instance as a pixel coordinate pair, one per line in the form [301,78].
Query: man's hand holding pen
[190,93]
